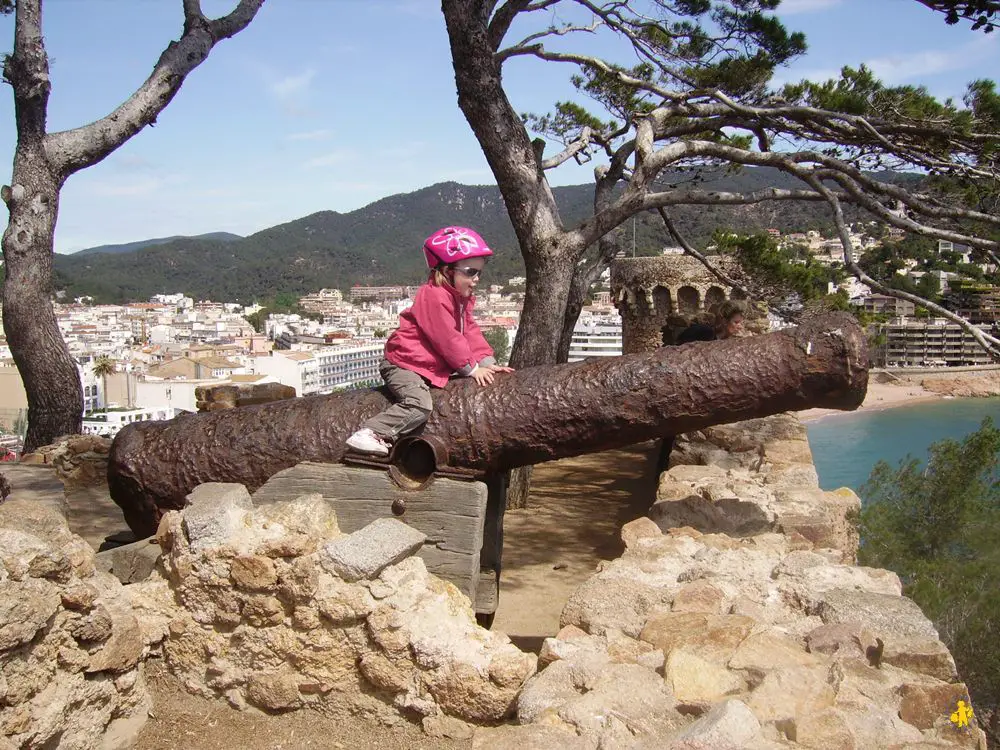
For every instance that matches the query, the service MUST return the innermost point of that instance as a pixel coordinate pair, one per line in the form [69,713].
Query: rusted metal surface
[534,415]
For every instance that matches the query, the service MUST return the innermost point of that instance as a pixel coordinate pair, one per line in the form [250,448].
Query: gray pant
[413,402]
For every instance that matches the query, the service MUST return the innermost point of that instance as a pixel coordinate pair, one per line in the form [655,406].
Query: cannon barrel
[534,415]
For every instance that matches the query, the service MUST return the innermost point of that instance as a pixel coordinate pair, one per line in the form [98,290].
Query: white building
[324,369]
[596,337]
[108,423]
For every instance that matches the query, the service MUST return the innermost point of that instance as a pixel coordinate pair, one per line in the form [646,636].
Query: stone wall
[69,640]
[229,396]
[735,620]
[271,608]
[79,460]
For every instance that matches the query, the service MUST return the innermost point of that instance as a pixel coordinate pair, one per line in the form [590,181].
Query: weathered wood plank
[487,593]
[451,513]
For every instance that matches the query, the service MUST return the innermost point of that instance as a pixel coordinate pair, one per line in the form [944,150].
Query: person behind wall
[727,321]
[437,339]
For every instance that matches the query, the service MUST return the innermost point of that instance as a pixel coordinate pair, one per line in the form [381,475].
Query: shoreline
[880,396]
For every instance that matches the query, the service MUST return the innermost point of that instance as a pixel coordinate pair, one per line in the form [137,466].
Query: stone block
[884,614]
[763,652]
[274,691]
[730,723]
[217,514]
[612,603]
[130,563]
[693,679]
[368,551]
[640,528]
[700,596]
[307,514]
[123,647]
[726,515]
[253,573]
[791,692]
[447,726]
[923,705]
[927,656]
[824,730]
[25,608]
[713,637]
[840,639]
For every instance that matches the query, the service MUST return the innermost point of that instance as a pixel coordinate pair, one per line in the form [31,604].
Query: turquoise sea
[846,446]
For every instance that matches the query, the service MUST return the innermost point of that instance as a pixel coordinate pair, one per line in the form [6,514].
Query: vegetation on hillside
[936,526]
[379,244]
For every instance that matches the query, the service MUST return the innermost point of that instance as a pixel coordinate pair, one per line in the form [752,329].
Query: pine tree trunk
[48,371]
[539,343]
[574,306]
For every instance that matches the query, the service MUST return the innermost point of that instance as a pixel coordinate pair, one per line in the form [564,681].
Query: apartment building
[109,423]
[324,369]
[886,305]
[931,343]
[596,335]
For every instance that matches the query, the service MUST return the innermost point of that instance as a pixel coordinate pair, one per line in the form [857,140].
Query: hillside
[130,247]
[379,244]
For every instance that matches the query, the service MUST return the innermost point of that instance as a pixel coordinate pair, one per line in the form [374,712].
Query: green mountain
[380,243]
[130,247]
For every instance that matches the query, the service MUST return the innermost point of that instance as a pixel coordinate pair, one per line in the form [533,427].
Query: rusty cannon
[534,415]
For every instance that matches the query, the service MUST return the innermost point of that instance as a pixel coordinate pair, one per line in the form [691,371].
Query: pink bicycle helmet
[452,244]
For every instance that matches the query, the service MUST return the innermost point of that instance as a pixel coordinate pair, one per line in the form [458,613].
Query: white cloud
[291,86]
[794,75]
[791,7]
[132,162]
[900,68]
[331,158]
[126,188]
[311,135]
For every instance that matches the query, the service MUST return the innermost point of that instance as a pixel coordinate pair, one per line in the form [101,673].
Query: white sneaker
[366,441]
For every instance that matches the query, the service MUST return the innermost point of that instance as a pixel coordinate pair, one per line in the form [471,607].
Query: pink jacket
[437,336]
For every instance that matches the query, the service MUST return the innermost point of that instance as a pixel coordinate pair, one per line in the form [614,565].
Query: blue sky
[333,104]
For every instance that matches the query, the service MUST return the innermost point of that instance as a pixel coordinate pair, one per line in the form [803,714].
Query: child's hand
[499,368]
[483,375]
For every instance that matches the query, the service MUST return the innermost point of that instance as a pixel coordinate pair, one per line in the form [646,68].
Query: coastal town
[144,360]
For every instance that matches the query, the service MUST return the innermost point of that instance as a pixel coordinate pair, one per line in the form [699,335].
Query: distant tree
[258,319]
[936,525]
[104,366]
[380,333]
[982,13]
[42,163]
[499,342]
[284,302]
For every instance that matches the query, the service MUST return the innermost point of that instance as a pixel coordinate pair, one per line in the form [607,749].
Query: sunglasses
[472,273]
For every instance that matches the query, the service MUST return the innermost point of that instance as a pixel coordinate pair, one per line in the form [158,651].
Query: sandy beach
[880,396]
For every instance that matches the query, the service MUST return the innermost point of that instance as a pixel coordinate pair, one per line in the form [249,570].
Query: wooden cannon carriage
[449,480]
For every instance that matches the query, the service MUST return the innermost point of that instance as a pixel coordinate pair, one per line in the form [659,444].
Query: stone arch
[688,300]
[714,295]
[661,300]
